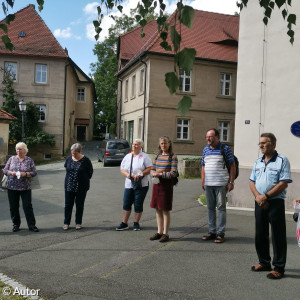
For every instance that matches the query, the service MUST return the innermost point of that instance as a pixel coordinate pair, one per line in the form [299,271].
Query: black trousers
[275,216]
[14,203]
[78,198]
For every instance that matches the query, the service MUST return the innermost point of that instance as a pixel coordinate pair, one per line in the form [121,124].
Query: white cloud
[218,6]
[65,33]
[91,10]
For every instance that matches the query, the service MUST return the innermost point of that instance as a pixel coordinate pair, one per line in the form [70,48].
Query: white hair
[22,145]
[140,141]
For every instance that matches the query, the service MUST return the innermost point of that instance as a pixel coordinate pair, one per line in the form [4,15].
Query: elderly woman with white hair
[79,171]
[136,167]
[19,170]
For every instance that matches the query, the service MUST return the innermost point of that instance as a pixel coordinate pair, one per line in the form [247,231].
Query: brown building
[145,107]
[5,120]
[45,75]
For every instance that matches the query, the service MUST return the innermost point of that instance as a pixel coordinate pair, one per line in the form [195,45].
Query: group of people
[269,180]
[136,167]
[20,169]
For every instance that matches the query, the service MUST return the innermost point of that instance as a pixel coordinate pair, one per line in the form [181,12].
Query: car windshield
[116,146]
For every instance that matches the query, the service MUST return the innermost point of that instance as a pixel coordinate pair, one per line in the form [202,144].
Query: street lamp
[22,107]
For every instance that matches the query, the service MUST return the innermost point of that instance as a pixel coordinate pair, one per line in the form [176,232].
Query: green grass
[202,198]
[8,297]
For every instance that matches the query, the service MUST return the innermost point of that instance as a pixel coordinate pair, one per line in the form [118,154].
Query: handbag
[136,185]
[4,181]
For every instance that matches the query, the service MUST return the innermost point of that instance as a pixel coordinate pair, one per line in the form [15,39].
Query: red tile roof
[38,39]
[214,37]
[6,116]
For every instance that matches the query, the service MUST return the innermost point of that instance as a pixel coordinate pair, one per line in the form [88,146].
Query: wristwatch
[140,173]
[231,182]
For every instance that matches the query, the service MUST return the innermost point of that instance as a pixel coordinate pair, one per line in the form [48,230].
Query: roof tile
[38,39]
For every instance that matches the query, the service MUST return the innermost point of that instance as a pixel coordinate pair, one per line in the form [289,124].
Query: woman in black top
[77,182]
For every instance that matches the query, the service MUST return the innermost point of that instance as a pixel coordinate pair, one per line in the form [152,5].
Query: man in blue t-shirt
[268,182]
[216,181]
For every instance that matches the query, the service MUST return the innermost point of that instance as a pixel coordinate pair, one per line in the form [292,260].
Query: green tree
[34,135]
[105,68]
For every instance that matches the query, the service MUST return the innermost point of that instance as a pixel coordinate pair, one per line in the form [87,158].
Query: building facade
[44,74]
[145,107]
[267,95]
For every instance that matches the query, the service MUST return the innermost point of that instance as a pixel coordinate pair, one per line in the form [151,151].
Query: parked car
[112,151]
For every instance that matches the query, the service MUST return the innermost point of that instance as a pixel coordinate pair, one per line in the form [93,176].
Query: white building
[268,94]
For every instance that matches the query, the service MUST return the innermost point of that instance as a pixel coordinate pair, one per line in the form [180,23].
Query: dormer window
[22,34]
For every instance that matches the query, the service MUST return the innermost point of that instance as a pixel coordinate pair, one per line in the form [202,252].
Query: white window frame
[133,86]
[185,81]
[142,81]
[225,84]
[80,95]
[43,110]
[11,68]
[41,75]
[224,130]
[181,125]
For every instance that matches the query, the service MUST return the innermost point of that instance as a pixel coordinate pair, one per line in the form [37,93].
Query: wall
[267,92]
[4,131]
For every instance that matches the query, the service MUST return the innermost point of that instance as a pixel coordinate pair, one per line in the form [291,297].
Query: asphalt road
[101,263]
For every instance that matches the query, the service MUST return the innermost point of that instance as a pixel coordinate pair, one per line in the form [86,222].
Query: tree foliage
[184,58]
[34,135]
[106,67]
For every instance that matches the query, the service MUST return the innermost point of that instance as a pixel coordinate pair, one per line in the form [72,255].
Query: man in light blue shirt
[268,183]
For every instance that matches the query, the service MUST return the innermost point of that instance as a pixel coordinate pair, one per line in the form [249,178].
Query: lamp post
[22,107]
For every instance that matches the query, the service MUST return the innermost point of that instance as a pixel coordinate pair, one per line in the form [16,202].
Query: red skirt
[162,195]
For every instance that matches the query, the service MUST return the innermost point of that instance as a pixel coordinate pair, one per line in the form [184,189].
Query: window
[224,129]
[140,128]
[81,94]
[42,109]
[11,69]
[183,129]
[185,81]
[126,90]
[40,73]
[142,79]
[225,84]
[133,84]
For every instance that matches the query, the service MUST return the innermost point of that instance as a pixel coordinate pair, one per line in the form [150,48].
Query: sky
[71,22]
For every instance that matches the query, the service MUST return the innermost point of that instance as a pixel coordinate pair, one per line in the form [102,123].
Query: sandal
[164,238]
[275,275]
[65,227]
[209,236]
[219,239]
[260,268]
[78,227]
[155,236]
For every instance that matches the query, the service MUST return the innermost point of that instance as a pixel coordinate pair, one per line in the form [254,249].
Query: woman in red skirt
[163,170]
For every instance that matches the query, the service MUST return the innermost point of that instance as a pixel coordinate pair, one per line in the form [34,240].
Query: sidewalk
[101,263]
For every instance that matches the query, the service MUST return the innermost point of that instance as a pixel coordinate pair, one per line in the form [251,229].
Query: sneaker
[122,226]
[136,226]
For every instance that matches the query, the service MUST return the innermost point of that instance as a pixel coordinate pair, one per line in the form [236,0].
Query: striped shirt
[163,164]
[213,162]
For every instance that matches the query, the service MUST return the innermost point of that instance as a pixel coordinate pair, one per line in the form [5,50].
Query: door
[81,133]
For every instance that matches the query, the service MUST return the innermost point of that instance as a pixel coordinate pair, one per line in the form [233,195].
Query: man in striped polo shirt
[216,181]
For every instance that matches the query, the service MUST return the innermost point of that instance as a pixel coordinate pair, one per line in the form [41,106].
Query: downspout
[144,108]
[120,115]
[65,101]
